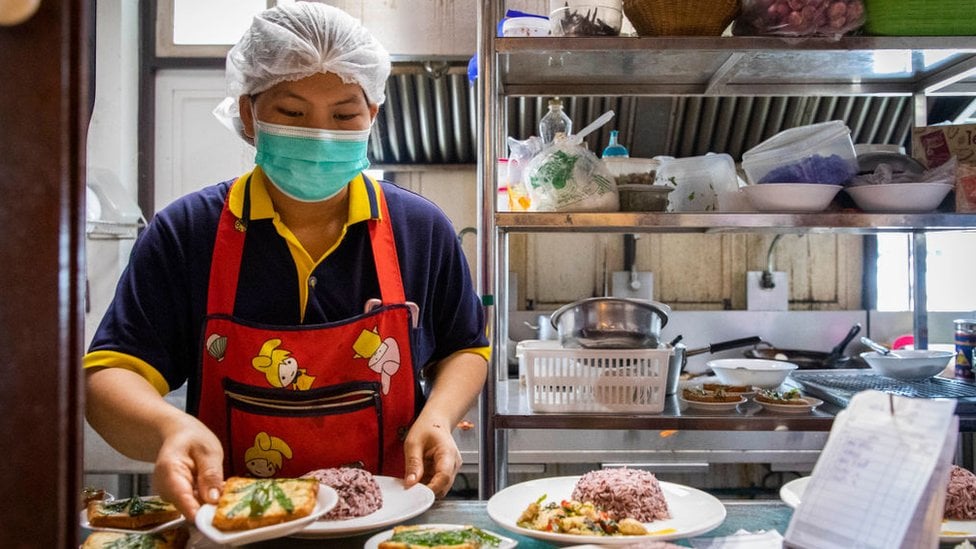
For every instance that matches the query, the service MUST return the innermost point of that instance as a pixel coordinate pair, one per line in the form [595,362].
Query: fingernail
[412,477]
[214,494]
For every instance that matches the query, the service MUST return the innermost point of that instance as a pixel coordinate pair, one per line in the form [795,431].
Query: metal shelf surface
[630,222]
[737,65]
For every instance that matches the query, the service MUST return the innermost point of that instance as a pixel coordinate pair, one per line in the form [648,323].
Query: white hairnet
[294,41]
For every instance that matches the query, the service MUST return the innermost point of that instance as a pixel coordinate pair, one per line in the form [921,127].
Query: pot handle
[726,345]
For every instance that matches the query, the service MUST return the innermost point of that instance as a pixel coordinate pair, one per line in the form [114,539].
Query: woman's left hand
[432,456]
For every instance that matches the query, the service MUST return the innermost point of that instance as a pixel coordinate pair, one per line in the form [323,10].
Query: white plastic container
[697,180]
[818,153]
[596,380]
[525,26]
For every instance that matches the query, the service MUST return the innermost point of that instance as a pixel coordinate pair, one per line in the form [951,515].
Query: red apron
[285,400]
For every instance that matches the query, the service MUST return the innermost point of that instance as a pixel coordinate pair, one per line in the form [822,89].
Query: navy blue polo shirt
[153,325]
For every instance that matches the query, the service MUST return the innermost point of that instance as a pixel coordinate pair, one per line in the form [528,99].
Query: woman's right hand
[189,467]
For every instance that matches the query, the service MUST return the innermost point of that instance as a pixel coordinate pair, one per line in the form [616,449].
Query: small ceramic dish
[713,406]
[811,404]
[791,197]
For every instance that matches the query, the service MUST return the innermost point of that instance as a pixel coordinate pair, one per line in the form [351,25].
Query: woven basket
[920,17]
[681,17]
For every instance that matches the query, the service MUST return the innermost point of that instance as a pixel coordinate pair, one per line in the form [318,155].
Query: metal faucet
[464,231]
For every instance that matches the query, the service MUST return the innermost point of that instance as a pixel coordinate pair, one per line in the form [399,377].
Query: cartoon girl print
[281,368]
[383,355]
[265,458]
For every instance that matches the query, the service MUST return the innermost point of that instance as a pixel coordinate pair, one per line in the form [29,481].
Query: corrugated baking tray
[838,386]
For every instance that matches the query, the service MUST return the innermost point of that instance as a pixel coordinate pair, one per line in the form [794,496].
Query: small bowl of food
[899,197]
[788,402]
[766,374]
[790,197]
[913,365]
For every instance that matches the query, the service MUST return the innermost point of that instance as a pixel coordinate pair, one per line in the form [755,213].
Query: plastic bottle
[555,121]
[614,148]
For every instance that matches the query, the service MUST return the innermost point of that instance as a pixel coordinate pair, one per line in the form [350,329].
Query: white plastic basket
[596,380]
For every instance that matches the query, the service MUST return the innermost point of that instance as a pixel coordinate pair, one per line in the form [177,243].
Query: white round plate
[952,531]
[791,408]
[327,498]
[504,543]
[399,504]
[83,521]
[713,406]
[693,512]
[791,491]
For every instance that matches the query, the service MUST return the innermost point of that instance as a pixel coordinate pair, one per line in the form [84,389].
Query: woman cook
[302,302]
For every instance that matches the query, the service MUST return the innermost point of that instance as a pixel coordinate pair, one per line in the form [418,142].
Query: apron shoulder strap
[384,247]
[225,264]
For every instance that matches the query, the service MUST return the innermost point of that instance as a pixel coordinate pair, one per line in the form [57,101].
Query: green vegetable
[436,536]
[258,497]
[136,541]
[133,506]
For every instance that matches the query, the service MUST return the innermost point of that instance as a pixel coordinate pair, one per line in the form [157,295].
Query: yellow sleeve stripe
[483,352]
[115,359]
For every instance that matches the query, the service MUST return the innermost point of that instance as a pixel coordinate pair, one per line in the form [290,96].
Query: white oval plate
[952,530]
[713,406]
[326,499]
[791,408]
[399,504]
[693,512]
[374,542]
[83,521]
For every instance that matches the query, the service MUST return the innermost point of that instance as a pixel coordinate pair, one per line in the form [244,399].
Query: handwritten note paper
[880,480]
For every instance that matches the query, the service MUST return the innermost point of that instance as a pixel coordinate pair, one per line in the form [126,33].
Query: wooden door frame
[43,122]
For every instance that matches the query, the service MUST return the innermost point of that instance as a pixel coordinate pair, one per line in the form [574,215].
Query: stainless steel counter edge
[513,412]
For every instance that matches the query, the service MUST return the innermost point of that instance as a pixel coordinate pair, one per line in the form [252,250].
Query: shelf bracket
[721,77]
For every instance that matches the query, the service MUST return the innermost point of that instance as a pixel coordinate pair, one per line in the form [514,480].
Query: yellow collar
[263,208]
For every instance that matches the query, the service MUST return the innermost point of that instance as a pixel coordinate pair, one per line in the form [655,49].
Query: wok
[812,360]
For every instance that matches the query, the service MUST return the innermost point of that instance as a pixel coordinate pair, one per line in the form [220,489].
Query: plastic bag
[884,174]
[833,18]
[520,153]
[567,177]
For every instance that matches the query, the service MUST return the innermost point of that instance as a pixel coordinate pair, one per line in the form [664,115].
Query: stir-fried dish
[578,518]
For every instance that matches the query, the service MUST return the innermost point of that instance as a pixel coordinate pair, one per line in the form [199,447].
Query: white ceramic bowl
[755,372]
[790,197]
[899,197]
[909,365]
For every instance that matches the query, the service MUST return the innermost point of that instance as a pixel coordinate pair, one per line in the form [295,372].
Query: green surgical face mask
[310,164]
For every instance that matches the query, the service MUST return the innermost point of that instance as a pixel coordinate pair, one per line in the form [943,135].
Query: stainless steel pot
[611,323]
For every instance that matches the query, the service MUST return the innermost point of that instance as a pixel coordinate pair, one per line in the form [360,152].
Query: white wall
[112,137]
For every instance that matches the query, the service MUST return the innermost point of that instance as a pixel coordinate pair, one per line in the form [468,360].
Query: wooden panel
[43,116]
[691,271]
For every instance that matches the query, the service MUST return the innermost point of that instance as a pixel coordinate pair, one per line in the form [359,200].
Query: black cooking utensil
[838,351]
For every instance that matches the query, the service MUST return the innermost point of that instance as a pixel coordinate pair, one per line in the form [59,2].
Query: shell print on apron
[286,400]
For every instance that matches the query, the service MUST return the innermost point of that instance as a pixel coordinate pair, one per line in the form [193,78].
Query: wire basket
[681,17]
[600,381]
[920,17]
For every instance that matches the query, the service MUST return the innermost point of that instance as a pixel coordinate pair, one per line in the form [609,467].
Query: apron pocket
[289,433]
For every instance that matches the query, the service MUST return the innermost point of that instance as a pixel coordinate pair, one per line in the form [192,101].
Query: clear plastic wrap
[833,18]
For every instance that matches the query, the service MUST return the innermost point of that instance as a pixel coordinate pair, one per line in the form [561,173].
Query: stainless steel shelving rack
[666,66]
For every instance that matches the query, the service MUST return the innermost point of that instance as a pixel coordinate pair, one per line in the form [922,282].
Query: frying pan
[812,360]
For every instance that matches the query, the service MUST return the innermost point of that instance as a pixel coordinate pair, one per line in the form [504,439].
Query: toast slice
[248,503]
[172,538]
[131,513]
[428,537]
